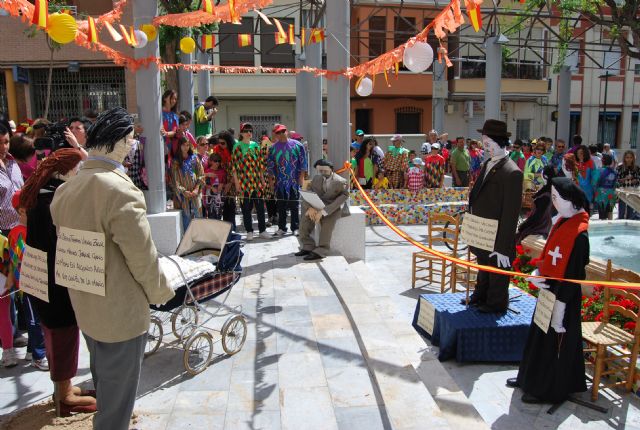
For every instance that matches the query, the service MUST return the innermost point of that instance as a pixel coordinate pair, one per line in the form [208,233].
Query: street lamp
[604,119]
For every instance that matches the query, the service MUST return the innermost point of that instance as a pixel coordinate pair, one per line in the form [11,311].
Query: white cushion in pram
[192,270]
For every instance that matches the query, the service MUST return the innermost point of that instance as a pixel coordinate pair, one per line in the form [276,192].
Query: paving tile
[361,418]
[216,377]
[350,387]
[307,408]
[331,326]
[301,369]
[253,397]
[296,339]
[266,420]
[191,420]
[324,305]
[205,402]
[150,421]
[293,315]
[376,336]
[340,352]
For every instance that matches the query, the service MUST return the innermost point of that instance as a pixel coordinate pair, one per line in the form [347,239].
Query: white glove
[557,316]
[540,283]
[503,260]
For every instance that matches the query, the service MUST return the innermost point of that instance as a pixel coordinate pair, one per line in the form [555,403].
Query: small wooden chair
[423,261]
[467,275]
[616,350]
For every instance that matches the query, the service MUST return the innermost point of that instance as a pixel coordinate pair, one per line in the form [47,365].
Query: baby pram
[205,265]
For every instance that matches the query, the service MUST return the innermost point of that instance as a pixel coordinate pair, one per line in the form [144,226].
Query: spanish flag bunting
[207,6]
[475,16]
[386,77]
[317,35]
[244,40]
[40,14]
[208,41]
[125,34]
[279,39]
[279,27]
[132,36]
[232,13]
[292,35]
[302,36]
[117,37]
[263,16]
[93,34]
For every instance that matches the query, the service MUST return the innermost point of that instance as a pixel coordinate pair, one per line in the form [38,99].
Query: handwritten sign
[544,309]
[80,260]
[34,273]
[479,232]
[426,316]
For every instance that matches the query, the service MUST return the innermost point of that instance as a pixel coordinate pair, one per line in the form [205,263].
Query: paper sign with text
[34,273]
[544,309]
[426,316]
[80,260]
[479,232]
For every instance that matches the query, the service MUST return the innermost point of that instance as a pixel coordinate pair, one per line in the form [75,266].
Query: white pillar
[149,110]
[302,114]
[493,52]
[439,95]
[204,83]
[185,84]
[564,105]
[338,94]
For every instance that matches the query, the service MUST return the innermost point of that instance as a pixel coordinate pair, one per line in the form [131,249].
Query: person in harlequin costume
[553,363]
[496,195]
[396,162]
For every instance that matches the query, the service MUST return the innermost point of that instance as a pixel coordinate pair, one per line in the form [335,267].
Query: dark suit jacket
[499,196]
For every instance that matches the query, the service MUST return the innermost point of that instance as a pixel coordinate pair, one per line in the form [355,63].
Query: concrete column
[204,83]
[564,104]
[338,90]
[439,95]
[185,84]
[313,105]
[493,52]
[149,110]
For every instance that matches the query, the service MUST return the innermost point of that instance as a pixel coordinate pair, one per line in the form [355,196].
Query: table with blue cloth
[470,335]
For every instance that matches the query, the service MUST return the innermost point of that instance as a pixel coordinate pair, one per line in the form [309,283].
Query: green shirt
[203,125]
[460,159]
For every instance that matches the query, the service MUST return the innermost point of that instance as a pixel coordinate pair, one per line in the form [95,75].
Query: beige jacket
[101,198]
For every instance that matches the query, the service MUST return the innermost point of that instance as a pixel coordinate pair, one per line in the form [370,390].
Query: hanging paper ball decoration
[418,58]
[365,87]
[150,30]
[141,38]
[62,28]
[187,45]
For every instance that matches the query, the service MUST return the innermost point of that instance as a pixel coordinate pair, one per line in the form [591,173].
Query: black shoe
[485,309]
[528,398]
[302,253]
[471,302]
[513,383]
[312,256]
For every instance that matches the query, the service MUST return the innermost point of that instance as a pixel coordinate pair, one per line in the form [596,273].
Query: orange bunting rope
[466,263]
[220,14]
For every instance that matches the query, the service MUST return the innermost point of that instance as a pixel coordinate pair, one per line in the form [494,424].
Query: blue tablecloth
[470,335]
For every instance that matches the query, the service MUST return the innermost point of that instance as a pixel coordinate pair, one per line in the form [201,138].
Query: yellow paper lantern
[62,28]
[187,45]
[150,30]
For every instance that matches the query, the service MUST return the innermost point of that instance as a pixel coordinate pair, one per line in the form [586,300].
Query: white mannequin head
[565,208]
[492,148]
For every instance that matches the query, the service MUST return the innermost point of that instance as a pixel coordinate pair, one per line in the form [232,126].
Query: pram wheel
[198,351]
[234,333]
[154,336]
[184,322]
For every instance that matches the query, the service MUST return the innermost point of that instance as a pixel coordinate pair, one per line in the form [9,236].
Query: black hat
[568,190]
[493,127]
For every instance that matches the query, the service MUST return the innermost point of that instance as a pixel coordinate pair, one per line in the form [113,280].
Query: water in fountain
[620,243]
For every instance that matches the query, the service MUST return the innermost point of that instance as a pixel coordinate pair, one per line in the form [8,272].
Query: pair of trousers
[35,344]
[626,212]
[229,210]
[248,203]
[464,178]
[327,224]
[271,208]
[62,345]
[288,201]
[115,368]
[6,328]
[491,289]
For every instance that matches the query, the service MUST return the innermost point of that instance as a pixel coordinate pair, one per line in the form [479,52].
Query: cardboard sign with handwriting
[479,232]
[34,273]
[80,260]
[544,309]
[426,316]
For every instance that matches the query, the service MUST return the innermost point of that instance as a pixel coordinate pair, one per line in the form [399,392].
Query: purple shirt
[286,161]
[10,182]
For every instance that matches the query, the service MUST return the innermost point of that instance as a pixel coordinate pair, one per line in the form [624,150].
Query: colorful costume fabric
[605,194]
[395,164]
[186,177]
[533,171]
[434,170]
[247,164]
[286,161]
[415,179]
[586,174]
[17,240]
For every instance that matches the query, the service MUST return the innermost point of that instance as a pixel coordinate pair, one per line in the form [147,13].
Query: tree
[170,37]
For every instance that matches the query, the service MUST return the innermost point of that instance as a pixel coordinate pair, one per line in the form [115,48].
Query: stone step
[397,313]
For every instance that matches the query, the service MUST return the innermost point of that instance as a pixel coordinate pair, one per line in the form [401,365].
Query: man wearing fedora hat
[496,195]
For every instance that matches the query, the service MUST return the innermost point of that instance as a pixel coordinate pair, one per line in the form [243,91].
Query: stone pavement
[330,346]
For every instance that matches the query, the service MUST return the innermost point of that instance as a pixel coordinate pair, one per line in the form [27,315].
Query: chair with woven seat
[466,275]
[439,234]
[616,349]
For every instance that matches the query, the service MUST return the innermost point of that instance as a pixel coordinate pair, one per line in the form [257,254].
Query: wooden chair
[467,275]
[433,265]
[616,349]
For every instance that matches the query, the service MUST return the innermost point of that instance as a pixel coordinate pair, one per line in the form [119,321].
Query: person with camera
[203,114]
[75,133]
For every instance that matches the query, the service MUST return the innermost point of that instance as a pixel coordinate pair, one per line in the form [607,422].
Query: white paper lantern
[141,38]
[365,87]
[418,58]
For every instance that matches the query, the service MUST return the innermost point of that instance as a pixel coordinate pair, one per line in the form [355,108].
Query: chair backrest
[448,234]
[624,301]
